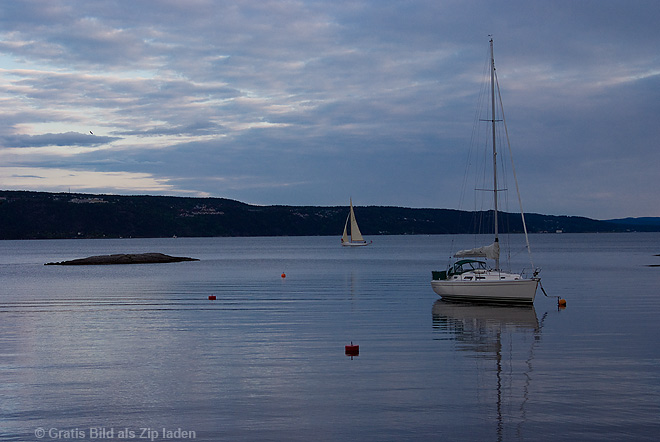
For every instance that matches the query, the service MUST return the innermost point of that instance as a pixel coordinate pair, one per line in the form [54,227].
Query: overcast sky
[313,102]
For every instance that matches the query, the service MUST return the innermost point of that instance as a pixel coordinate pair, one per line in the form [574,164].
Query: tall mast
[492,100]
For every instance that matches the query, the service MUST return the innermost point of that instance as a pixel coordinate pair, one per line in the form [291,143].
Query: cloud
[306,102]
[65,139]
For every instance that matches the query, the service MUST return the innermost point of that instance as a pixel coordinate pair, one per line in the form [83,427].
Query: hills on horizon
[641,221]
[44,215]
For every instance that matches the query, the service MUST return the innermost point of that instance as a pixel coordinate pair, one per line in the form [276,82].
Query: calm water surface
[139,352]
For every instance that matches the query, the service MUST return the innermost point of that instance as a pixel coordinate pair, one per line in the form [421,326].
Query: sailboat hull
[355,244]
[520,291]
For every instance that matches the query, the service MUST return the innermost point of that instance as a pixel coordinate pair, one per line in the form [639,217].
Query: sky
[315,102]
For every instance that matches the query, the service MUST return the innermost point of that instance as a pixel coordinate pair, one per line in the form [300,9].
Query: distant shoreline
[43,215]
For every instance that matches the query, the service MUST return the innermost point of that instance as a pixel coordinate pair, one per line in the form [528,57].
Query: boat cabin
[460,267]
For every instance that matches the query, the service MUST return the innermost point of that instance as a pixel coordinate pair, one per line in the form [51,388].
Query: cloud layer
[310,102]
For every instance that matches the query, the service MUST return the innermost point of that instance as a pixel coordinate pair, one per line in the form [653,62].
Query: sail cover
[491,252]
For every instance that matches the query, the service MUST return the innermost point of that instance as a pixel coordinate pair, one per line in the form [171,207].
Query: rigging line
[548,296]
[472,163]
[475,140]
[513,168]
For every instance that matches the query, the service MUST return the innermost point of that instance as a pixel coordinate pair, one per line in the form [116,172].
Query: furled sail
[491,252]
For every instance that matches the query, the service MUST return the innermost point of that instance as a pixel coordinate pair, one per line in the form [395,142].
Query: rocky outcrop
[125,258]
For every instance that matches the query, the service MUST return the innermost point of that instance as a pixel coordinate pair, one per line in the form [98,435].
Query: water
[140,352]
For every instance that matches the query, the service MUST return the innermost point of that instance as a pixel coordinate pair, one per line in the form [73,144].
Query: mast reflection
[507,335]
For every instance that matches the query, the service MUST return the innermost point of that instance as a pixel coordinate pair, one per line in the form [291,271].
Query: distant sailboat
[356,238]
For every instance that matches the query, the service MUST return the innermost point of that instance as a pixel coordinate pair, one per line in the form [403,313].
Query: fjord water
[131,352]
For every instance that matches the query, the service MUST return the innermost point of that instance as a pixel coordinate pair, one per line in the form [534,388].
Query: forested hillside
[41,215]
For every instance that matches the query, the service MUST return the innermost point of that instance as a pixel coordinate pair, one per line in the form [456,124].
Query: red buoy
[352,350]
[283,275]
[211,297]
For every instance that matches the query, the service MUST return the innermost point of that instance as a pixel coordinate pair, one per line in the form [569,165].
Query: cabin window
[468,278]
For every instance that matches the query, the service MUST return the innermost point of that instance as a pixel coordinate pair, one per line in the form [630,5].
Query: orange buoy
[561,303]
[352,350]
[211,297]
[283,275]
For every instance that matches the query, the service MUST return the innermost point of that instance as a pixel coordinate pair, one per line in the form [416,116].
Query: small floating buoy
[211,297]
[283,275]
[352,350]
[561,303]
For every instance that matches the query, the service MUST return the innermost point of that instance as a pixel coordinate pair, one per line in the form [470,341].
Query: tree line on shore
[43,215]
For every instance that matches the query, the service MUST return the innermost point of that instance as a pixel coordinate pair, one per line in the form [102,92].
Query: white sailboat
[470,279]
[356,238]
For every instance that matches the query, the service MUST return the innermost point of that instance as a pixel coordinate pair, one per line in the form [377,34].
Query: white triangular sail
[344,237]
[491,252]
[356,235]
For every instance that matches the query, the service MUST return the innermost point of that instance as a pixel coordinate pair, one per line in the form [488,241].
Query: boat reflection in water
[503,339]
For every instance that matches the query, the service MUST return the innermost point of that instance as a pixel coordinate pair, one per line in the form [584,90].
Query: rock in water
[124,258]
